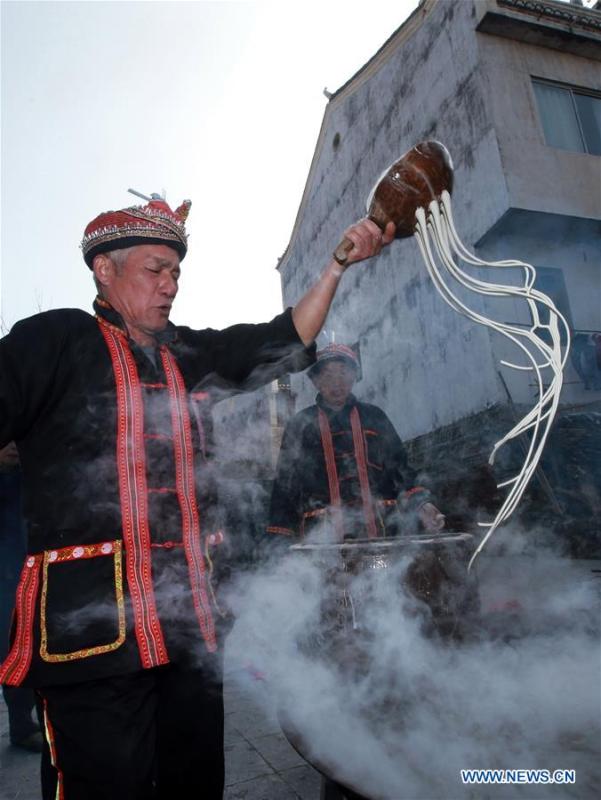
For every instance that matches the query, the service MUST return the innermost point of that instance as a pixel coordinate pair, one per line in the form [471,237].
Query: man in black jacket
[342,465]
[116,625]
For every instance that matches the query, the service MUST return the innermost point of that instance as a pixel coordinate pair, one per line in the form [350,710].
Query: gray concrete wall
[558,192]
[438,78]
[538,177]
[417,354]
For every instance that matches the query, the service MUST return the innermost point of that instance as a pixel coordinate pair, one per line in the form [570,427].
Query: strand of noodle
[448,261]
[512,501]
[462,309]
[441,239]
[446,211]
[439,224]
[534,312]
[459,306]
[471,258]
[440,285]
[539,343]
[528,292]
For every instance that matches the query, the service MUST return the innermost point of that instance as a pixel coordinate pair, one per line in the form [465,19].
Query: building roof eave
[547,23]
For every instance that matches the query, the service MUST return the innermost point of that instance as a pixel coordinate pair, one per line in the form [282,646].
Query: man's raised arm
[311,311]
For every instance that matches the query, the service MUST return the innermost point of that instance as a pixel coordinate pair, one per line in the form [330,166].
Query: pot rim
[383,543]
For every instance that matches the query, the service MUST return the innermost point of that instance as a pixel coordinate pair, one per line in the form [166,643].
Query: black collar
[107,312]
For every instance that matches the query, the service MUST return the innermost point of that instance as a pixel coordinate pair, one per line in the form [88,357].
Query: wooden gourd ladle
[411,182]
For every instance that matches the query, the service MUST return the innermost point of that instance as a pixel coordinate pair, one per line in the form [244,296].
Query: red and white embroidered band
[77,552]
[131,466]
[51,740]
[186,493]
[16,664]
[361,459]
[332,472]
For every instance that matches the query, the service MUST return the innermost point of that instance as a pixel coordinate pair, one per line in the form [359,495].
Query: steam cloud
[424,709]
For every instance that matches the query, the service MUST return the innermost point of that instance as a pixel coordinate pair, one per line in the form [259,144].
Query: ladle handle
[341,253]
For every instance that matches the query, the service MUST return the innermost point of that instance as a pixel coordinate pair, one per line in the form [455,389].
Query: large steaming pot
[426,573]
[431,569]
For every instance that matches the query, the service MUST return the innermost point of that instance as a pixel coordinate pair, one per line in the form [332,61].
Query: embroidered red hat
[154,223]
[340,352]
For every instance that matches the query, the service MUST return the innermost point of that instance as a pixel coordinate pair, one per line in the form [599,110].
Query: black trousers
[20,702]
[155,734]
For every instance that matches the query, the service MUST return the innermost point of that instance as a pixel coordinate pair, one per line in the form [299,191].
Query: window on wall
[571,117]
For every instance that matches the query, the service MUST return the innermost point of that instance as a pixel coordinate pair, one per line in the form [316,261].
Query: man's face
[144,287]
[335,381]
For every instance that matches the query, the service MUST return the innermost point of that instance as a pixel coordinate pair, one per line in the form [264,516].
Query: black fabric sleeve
[396,462]
[404,477]
[244,357]
[29,359]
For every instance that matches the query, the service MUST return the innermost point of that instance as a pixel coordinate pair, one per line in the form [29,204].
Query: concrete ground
[259,762]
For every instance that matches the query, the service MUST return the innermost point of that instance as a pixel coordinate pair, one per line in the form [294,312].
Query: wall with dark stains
[439,78]
[424,364]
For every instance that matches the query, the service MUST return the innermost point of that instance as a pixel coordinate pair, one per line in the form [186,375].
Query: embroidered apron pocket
[82,610]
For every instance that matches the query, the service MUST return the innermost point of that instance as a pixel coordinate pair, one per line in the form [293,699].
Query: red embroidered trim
[283,531]
[308,514]
[415,489]
[328,452]
[77,552]
[153,385]
[186,492]
[16,665]
[111,327]
[131,465]
[361,458]
[167,545]
[50,738]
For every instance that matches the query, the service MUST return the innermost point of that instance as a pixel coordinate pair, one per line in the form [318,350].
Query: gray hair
[118,257]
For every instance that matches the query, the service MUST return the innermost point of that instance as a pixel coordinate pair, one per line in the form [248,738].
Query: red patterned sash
[186,493]
[131,465]
[16,665]
[332,472]
[334,485]
[361,459]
